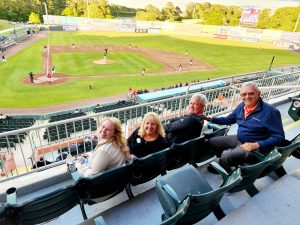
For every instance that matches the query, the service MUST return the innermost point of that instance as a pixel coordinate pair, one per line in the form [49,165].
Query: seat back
[285,153]
[205,151]
[175,187]
[186,152]
[103,185]
[251,172]
[203,204]
[42,208]
[149,167]
[217,132]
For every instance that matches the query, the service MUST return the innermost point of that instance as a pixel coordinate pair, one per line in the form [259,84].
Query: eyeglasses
[250,94]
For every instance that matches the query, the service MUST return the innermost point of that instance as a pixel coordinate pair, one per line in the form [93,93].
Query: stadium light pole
[296,25]
[48,46]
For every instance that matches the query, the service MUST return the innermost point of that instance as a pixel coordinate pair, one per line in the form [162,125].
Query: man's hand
[250,146]
[207,118]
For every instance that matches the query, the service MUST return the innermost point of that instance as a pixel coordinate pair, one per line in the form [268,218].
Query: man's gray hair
[202,98]
[252,84]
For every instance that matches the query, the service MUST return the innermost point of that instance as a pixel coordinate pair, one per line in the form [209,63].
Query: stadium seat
[187,152]
[100,187]
[250,172]
[146,168]
[186,193]
[40,209]
[276,166]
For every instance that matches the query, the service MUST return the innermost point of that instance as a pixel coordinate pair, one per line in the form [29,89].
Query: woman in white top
[111,151]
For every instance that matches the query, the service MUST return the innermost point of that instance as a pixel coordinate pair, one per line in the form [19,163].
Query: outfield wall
[272,37]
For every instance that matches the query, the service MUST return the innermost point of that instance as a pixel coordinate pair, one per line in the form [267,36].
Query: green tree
[214,19]
[168,12]
[285,18]
[233,15]
[34,18]
[151,13]
[264,19]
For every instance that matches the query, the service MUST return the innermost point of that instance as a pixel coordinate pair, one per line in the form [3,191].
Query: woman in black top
[149,138]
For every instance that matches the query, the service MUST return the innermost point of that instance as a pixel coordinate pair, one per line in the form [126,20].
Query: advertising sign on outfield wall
[249,17]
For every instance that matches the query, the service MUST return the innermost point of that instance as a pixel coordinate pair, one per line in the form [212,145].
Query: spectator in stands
[148,138]
[259,128]
[41,162]
[110,152]
[184,128]
[61,156]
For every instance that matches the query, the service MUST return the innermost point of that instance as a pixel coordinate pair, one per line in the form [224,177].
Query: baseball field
[79,66]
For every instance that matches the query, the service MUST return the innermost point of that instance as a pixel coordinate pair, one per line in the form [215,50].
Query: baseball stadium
[66,81]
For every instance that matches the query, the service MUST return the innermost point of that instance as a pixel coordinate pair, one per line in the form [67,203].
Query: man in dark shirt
[189,126]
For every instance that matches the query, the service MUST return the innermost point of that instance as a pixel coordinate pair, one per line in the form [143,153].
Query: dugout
[169,93]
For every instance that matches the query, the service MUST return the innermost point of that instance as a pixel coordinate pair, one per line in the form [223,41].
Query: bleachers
[63,131]
[11,124]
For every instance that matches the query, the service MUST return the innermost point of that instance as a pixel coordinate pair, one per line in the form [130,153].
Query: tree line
[210,14]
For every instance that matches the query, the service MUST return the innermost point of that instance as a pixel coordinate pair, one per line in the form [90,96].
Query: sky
[182,3]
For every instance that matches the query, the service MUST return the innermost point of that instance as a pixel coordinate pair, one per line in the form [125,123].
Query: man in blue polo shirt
[259,128]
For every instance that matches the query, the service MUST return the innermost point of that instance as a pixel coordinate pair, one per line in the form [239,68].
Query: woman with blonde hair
[111,150]
[148,138]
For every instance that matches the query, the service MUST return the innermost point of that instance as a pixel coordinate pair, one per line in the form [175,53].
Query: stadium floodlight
[48,47]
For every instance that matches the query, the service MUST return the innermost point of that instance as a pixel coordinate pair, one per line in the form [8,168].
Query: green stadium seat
[186,193]
[40,209]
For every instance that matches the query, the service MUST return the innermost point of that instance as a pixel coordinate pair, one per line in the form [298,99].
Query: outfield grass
[229,58]
[123,63]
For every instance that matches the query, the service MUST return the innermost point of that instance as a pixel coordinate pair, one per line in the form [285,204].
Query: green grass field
[124,62]
[228,57]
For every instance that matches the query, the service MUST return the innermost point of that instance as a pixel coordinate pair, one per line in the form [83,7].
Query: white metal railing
[49,140]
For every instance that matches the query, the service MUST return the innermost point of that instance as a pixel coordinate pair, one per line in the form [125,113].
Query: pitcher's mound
[102,61]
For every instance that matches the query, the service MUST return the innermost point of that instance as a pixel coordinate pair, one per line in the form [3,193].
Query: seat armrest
[170,191]
[220,170]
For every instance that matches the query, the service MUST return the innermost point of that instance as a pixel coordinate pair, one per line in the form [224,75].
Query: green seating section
[63,131]
[11,124]
[186,196]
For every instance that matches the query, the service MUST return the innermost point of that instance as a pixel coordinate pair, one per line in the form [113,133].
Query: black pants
[228,149]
